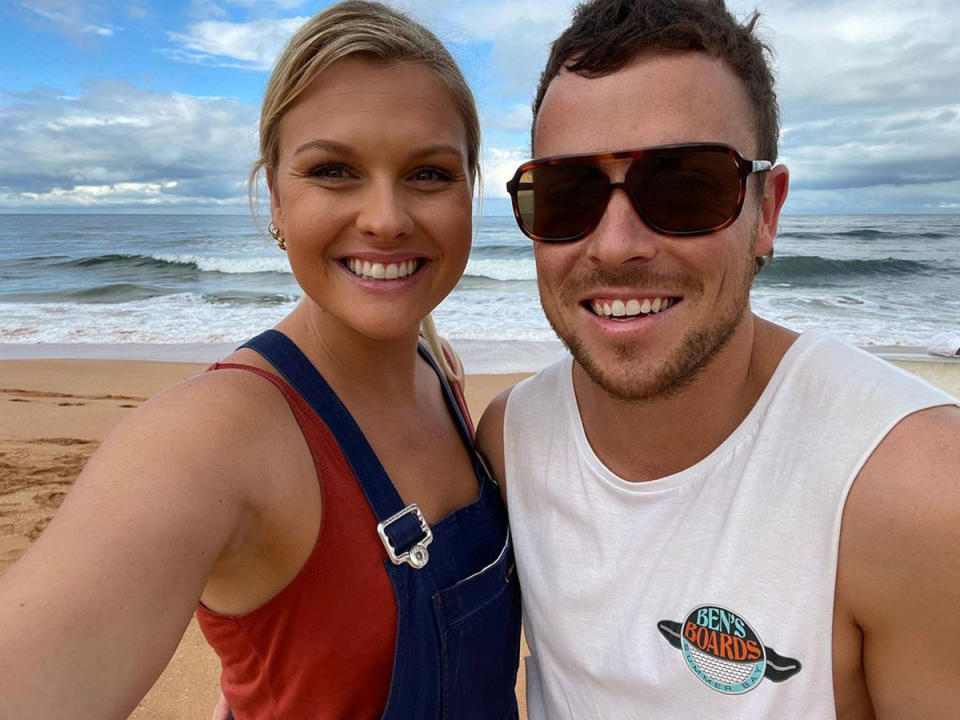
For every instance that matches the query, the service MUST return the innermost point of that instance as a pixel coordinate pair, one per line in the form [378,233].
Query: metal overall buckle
[417,556]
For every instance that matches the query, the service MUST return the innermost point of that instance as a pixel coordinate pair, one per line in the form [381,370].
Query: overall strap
[458,408]
[460,417]
[403,530]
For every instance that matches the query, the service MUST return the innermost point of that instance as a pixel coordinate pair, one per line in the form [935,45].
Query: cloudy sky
[152,106]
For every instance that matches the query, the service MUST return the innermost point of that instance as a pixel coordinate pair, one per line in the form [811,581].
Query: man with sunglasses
[713,516]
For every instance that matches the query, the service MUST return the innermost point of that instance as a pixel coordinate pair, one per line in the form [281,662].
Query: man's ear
[775,187]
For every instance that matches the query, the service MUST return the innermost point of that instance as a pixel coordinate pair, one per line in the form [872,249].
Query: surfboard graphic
[725,652]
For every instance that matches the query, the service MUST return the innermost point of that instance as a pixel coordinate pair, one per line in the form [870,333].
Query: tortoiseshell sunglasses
[692,189]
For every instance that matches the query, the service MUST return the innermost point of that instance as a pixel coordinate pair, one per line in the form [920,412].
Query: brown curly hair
[605,35]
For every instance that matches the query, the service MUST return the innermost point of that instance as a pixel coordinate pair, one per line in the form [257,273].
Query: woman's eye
[430,175]
[331,172]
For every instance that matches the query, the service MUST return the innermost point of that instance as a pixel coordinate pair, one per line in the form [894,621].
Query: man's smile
[629,308]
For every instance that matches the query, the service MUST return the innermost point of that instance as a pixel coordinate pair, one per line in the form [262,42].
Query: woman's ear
[276,212]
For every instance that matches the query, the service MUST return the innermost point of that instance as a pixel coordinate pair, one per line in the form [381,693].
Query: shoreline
[486,357]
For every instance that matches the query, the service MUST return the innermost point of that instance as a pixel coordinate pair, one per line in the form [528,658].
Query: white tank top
[708,593]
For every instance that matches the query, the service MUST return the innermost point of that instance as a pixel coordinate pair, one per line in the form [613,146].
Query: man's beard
[697,349]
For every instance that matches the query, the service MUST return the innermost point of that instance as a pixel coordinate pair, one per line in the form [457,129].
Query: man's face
[702,282]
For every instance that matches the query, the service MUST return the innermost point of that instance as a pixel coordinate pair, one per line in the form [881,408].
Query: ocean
[174,279]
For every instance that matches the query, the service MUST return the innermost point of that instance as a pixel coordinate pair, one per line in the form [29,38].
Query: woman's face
[372,194]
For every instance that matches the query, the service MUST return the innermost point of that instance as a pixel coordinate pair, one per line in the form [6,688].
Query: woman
[317,492]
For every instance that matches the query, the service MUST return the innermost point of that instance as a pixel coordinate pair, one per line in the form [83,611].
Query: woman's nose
[383,212]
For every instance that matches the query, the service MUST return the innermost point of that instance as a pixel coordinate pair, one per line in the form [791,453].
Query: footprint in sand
[60,441]
[50,498]
[50,395]
[35,393]
[38,527]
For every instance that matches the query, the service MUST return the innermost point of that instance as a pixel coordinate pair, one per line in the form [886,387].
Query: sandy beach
[55,414]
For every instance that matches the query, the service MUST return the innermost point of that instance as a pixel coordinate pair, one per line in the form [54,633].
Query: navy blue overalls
[458,600]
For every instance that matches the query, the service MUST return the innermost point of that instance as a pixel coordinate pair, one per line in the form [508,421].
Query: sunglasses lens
[685,192]
[560,202]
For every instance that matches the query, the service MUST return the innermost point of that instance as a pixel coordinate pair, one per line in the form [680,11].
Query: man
[713,516]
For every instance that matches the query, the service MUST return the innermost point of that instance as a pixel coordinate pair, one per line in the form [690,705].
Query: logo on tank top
[722,650]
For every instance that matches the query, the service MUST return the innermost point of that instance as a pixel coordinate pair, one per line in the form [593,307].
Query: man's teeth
[630,308]
[382,271]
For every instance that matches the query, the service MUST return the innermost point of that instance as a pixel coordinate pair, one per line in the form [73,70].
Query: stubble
[629,378]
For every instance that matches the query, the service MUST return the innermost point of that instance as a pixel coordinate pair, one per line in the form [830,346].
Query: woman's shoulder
[222,417]
[231,393]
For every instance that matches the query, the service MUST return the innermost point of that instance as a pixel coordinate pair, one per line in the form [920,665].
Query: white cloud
[255,44]
[868,96]
[68,17]
[515,118]
[97,194]
[499,165]
[519,31]
[487,19]
[281,4]
[205,9]
[116,143]
[836,56]
[878,198]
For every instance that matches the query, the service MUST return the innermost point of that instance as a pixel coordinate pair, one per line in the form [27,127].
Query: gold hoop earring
[277,237]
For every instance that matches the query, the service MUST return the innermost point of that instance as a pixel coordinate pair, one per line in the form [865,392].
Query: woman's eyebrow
[329,145]
[438,149]
[342,149]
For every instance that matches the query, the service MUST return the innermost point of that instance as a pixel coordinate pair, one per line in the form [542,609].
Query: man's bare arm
[490,438]
[899,567]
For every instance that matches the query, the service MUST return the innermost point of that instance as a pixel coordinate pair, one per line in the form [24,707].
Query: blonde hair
[369,30]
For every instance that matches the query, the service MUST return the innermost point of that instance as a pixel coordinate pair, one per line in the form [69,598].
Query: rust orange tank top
[323,646]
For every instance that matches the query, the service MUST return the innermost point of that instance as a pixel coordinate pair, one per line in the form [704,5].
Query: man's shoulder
[906,493]
[918,459]
[898,576]
[545,383]
[548,379]
[821,364]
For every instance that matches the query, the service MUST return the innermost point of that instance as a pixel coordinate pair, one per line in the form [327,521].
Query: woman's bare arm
[90,616]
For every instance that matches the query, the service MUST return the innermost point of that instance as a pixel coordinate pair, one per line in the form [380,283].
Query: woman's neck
[358,367]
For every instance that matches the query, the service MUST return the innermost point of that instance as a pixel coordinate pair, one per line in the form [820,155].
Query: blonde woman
[316,497]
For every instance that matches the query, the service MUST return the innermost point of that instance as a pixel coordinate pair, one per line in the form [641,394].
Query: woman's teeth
[381,271]
[630,308]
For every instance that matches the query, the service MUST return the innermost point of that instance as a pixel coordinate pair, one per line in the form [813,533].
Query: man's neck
[649,439]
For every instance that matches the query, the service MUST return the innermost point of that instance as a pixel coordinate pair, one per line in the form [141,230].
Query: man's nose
[621,237]
[383,212]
